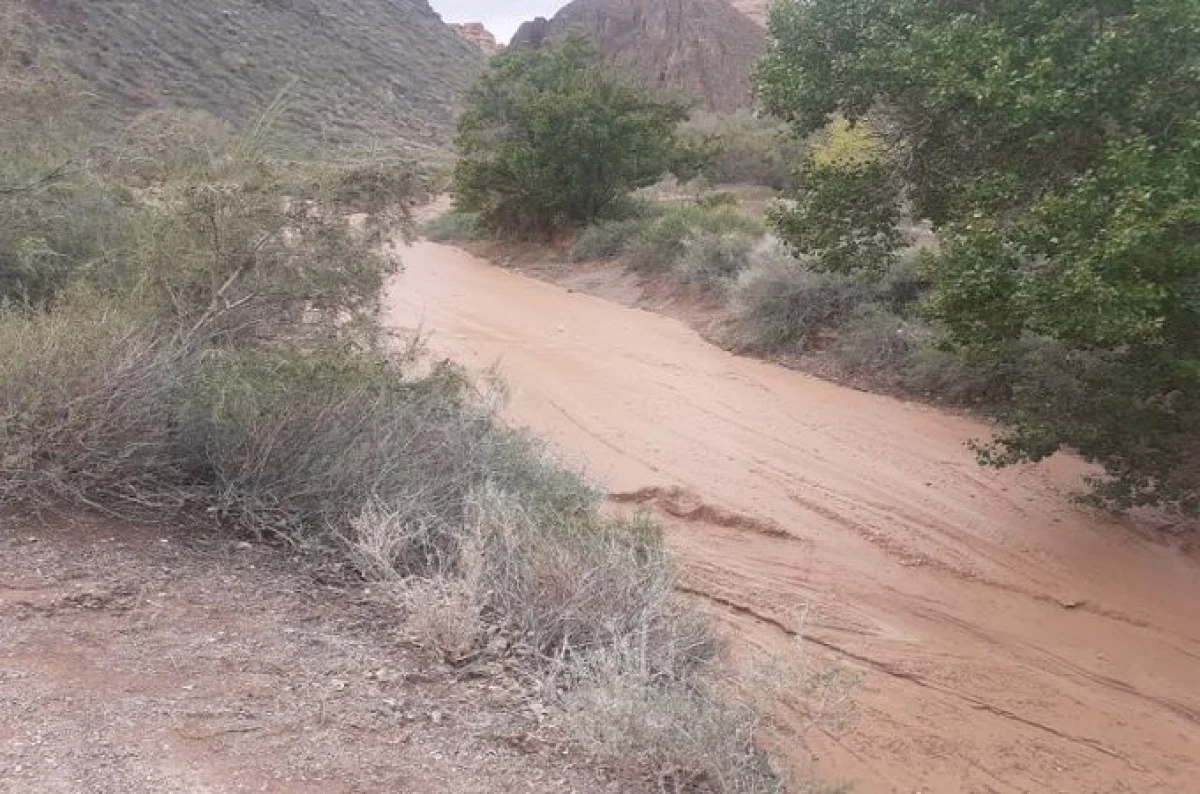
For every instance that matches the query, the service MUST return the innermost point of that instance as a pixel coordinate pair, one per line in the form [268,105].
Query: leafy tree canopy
[551,138]
[1055,145]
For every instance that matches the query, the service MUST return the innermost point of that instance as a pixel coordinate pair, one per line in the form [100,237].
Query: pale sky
[501,17]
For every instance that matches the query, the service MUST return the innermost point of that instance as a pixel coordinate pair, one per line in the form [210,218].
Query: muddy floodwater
[1010,640]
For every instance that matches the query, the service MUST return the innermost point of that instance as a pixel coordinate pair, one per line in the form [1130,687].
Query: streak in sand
[1011,641]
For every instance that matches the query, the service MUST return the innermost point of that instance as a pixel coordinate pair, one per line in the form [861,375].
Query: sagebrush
[213,359]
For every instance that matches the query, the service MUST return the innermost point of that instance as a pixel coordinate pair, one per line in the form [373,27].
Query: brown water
[1011,641]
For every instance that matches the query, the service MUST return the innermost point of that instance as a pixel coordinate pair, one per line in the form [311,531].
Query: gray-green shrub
[781,305]
[454,226]
[662,242]
[713,260]
[606,239]
[750,149]
[876,342]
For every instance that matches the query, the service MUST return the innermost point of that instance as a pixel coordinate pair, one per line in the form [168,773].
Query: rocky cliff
[478,35]
[701,48]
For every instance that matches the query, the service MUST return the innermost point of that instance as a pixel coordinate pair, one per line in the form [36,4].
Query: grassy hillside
[359,70]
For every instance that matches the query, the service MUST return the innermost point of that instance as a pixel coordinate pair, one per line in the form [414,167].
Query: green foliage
[1054,146]
[552,139]
[747,149]
[721,198]
[843,217]
[605,240]
[454,226]
[663,240]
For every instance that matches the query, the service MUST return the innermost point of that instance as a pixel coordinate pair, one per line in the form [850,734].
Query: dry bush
[712,261]
[696,734]
[781,304]
[445,615]
[574,583]
[87,400]
[690,735]
[296,443]
[876,342]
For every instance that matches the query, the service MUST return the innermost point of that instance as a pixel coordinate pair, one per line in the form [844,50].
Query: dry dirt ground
[146,662]
[1011,640]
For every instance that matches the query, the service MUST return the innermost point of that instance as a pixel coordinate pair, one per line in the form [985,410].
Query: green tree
[551,138]
[1055,145]
[845,206]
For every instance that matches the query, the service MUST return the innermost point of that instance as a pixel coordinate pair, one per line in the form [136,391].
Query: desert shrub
[717,200]
[951,377]
[905,284]
[879,343]
[295,443]
[781,304]
[161,145]
[712,261]
[327,446]
[749,149]
[605,240]
[660,244]
[454,226]
[54,214]
[101,408]
[1035,367]
[690,734]
[87,403]
[49,233]
[534,553]
[578,583]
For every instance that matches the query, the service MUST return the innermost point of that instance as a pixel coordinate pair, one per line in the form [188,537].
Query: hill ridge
[354,70]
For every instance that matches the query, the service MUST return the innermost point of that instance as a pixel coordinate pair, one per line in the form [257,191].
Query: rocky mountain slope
[755,9]
[478,35]
[354,70]
[702,48]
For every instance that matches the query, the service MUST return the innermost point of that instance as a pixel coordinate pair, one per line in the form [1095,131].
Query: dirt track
[1012,642]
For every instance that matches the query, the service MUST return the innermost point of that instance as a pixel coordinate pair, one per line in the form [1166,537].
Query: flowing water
[1011,641]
